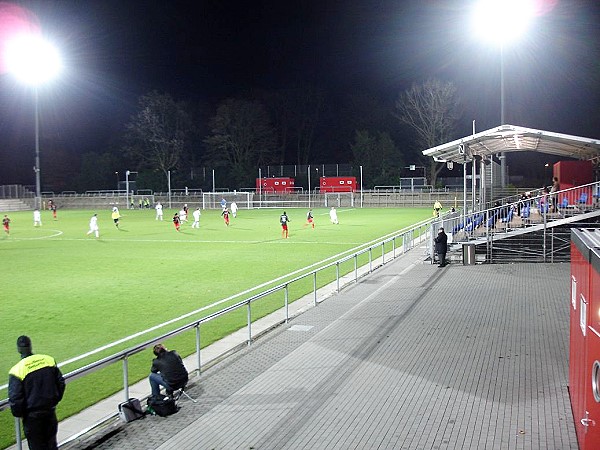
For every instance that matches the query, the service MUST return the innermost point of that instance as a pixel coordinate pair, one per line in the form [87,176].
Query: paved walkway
[411,357]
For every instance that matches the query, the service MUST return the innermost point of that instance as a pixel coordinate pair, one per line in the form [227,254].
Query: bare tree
[379,157]
[157,133]
[241,138]
[297,114]
[432,111]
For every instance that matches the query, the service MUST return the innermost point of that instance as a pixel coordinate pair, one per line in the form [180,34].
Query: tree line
[298,125]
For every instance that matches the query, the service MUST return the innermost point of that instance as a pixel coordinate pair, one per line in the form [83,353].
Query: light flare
[14,21]
[32,59]
[503,21]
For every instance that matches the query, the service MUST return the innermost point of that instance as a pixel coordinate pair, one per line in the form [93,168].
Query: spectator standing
[441,246]
[35,387]
[554,197]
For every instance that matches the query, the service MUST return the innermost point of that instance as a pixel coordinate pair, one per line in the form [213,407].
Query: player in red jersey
[6,224]
[310,220]
[283,220]
[176,221]
[225,215]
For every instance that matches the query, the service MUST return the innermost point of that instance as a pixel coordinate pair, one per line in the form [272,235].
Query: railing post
[370,259]
[394,247]
[18,433]
[382,253]
[198,348]
[544,208]
[249,323]
[355,268]
[337,275]
[285,301]
[126,378]
[552,245]
[315,287]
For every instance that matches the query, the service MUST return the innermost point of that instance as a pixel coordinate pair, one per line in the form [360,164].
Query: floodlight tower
[502,22]
[33,61]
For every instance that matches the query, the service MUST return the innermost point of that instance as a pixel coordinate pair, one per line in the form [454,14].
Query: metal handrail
[466,224]
[406,234]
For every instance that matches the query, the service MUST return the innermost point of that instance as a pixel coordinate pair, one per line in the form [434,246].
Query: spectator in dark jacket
[35,386]
[441,246]
[167,370]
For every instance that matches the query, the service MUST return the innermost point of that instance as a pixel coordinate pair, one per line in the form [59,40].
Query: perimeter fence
[375,254]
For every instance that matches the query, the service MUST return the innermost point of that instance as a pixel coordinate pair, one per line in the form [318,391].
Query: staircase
[537,229]
[7,205]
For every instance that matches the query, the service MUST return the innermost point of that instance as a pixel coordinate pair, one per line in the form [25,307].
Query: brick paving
[411,357]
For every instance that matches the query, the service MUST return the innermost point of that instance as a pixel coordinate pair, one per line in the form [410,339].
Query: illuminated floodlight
[502,21]
[32,59]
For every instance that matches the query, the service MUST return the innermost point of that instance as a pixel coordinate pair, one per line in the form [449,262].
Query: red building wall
[573,173]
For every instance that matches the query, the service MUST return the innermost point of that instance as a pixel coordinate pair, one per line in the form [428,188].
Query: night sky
[206,51]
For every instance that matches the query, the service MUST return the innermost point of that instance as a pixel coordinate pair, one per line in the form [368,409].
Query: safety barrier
[407,237]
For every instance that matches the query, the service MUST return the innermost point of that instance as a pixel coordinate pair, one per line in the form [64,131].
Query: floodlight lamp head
[32,59]
[502,21]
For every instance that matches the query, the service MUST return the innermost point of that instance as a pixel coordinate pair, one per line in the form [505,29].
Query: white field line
[56,233]
[204,308]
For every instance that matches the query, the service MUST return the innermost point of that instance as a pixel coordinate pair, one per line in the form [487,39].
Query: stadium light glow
[503,21]
[33,61]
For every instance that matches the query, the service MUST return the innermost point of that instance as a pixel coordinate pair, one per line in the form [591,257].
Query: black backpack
[162,406]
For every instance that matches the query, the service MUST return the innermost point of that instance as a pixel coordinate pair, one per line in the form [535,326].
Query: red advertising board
[275,184]
[338,184]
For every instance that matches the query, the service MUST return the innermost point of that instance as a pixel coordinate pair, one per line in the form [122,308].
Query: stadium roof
[510,138]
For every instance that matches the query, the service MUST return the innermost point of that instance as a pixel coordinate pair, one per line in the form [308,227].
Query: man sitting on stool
[167,370]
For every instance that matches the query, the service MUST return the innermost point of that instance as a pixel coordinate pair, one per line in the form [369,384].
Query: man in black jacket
[35,386]
[167,370]
[441,246]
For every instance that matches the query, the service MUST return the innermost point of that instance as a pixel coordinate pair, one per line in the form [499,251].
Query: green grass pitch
[72,293]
